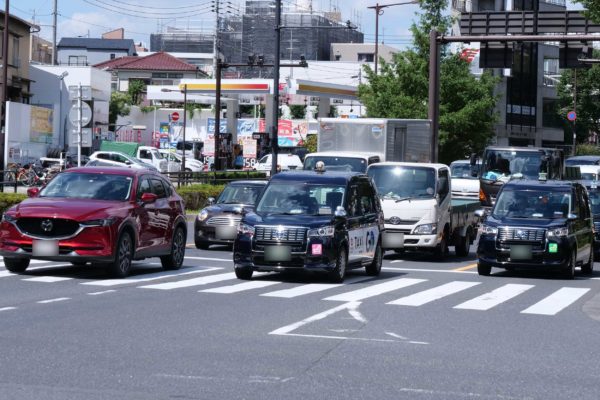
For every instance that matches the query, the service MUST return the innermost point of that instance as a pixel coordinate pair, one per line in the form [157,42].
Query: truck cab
[151,155]
[419,211]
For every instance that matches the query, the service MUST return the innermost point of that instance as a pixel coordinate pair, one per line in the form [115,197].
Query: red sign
[175,116]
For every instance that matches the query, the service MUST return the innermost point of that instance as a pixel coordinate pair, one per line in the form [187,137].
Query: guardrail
[9,179]
[212,177]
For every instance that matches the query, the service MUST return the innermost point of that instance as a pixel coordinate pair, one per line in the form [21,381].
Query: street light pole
[4,85]
[274,128]
[217,162]
[184,125]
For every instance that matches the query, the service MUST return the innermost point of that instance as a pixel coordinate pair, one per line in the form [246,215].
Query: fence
[213,177]
[9,180]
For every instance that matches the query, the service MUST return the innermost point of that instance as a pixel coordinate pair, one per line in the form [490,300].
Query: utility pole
[216,38]
[79,122]
[54,15]
[575,109]
[218,113]
[4,85]
[274,128]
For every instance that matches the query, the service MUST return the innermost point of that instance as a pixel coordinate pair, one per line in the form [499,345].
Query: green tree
[592,9]
[311,143]
[401,90]
[297,111]
[588,99]
[135,90]
[119,106]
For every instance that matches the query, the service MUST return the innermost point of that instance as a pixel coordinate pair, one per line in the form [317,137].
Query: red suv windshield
[89,186]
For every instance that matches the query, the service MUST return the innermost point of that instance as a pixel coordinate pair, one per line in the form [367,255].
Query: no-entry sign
[175,116]
[571,116]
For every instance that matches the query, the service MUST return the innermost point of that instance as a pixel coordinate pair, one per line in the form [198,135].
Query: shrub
[196,196]
[587,150]
[9,199]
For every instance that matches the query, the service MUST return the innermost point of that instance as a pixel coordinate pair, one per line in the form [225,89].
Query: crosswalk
[484,295]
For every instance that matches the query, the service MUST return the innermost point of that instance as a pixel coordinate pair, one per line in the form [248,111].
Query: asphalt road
[422,330]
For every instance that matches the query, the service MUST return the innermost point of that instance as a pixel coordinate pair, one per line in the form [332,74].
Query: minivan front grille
[521,234]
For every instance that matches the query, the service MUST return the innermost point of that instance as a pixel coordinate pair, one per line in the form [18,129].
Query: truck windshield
[239,195]
[464,171]
[300,198]
[337,163]
[501,164]
[532,204]
[403,182]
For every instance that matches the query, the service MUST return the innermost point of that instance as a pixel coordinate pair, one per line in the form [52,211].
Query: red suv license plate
[45,247]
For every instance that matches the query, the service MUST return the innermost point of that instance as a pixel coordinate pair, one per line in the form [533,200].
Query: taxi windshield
[300,198]
[499,165]
[406,182]
[532,204]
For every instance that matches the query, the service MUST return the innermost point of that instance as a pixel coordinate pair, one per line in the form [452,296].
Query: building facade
[91,51]
[19,46]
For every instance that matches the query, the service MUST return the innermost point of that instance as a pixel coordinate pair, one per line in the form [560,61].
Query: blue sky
[83,17]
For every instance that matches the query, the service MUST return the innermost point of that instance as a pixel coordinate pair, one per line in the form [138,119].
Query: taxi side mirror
[340,212]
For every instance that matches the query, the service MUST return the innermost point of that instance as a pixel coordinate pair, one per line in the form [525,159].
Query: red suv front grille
[47,227]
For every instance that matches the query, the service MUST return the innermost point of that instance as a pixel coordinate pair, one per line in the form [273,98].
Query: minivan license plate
[520,252]
[45,248]
[278,253]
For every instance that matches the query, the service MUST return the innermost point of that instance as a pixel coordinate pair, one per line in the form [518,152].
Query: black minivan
[540,225]
[328,221]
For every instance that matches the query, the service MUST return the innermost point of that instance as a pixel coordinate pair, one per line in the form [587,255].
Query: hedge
[196,196]
[9,199]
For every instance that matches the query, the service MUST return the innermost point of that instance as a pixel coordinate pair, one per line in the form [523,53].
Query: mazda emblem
[47,225]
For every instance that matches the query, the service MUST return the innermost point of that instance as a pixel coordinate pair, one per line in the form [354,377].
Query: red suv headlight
[98,222]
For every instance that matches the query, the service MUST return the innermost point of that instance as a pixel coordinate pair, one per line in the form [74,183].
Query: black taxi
[324,221]
[543,225]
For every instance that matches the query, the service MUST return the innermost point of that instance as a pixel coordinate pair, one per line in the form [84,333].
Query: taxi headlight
[324,231]
[425,229]
[203,215]
[489,230]
[558,232]
[245,229]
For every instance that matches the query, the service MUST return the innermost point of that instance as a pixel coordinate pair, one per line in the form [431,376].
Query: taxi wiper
[403,198]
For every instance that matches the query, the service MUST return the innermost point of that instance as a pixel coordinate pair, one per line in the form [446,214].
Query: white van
[286,161]
[151,155]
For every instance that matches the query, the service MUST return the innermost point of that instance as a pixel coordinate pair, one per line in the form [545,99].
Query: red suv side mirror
[33,192]
[149,198]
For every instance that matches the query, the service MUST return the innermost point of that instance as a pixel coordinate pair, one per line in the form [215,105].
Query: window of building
[159,74]
[15,52]
[174,76]
[78,60]
[112,56]
[366,57]
[550,117]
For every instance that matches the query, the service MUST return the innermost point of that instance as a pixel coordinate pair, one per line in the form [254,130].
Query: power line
[170,16]
[164,11]
[100,26]
[142,6]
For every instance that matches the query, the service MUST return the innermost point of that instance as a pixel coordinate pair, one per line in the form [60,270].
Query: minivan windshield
[239,195]
[501,164]
[403,182]
[337,163]
[532,204]
[292,198]
[89,186]
[464,170]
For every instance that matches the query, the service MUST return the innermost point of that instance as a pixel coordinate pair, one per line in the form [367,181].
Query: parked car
[151,155]
[285,161]
[540,225]
[582,160]
[465,180]
[191,164]
[116,159]
[217,223]
[313,221]
[107,215]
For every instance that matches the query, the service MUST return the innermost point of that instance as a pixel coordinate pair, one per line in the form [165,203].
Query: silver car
[117,159]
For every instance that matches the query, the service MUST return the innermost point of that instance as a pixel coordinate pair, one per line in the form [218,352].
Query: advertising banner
[41,124]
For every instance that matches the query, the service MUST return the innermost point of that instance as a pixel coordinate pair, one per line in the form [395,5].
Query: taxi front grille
[279,234]
[521,234]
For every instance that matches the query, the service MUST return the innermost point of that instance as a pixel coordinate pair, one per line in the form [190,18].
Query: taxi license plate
[278,253]
[45,248]
[393,240]
[520,252]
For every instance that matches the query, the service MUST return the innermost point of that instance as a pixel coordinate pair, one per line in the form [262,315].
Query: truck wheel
[463,245]
[339,272]
[16,264]
[441,249]
[374,268]
[483,269]
[588,268]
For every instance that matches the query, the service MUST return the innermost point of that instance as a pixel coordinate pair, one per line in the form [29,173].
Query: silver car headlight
[324,231]
[425,229]
[203,215]
[558,232]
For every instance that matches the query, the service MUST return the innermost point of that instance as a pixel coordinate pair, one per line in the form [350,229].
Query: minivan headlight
[425,229]
[324,231]
[489,230]
[558,232]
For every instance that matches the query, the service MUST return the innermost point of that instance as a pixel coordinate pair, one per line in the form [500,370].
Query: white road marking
[47,279]
[375,290]
[396,261]
[53,300]
[102,292]
[392,334]
[241,287]
[353,310]
[8,308]
[144,278]
[313,288]
[192,282]
[556,302]
[436,293]
[317,317]
[495,297]
[448,271]
[210,259]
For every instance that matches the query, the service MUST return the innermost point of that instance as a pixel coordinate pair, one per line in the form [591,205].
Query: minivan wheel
[174,260]
[244,273]
[483,269]
[16,264]
[569,272]
[121,266]
[374,268]
[339,272]
[588,268]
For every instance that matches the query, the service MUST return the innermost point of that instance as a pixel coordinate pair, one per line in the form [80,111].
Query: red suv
[103,215]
